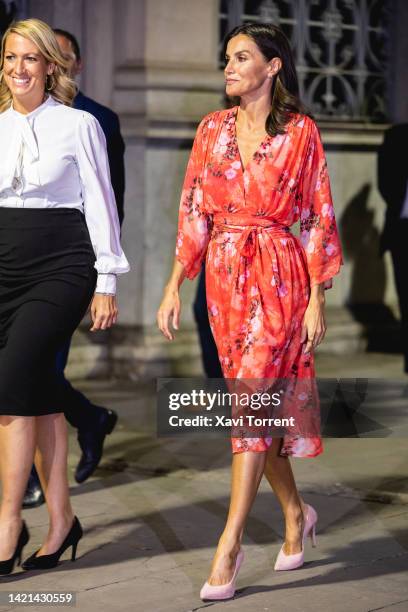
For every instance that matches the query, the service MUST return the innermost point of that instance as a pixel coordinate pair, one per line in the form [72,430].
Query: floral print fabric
[258,274]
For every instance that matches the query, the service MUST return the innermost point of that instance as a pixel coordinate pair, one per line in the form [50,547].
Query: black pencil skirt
[47,280]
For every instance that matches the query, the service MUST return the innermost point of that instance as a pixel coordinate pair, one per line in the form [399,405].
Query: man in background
[209,353]
[92,422]
[393,186]
[107,118]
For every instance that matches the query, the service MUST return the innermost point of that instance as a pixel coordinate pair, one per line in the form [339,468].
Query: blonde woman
[59,252]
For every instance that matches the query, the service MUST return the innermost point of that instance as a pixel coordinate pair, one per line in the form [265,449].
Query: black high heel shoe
[49,561]
[7,566]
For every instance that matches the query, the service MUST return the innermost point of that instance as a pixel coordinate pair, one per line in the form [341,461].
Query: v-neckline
[244,167]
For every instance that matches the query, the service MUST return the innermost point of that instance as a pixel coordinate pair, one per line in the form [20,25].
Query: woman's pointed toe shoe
[290,562]
[49,561]
[7,566]
[223,591]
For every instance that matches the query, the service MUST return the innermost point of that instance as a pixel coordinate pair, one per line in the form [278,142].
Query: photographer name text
[248,420]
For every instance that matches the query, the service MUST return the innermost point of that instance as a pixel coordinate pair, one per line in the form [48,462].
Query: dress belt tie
[250,226]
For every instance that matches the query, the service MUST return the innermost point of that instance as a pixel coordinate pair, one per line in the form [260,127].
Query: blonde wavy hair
[63,88]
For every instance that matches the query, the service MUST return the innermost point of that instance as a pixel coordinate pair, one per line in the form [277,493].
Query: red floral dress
[258,274]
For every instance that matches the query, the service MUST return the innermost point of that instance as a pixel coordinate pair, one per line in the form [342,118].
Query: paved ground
[153,511]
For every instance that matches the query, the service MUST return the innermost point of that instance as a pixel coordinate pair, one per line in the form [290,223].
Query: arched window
[340,48]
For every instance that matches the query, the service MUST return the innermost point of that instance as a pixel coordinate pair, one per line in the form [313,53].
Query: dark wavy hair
[285,101]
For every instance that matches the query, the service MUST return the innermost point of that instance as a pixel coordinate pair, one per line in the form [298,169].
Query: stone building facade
[156,63]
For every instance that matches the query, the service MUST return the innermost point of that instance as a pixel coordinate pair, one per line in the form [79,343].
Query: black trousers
[78,410]
[211,362]
[399,253]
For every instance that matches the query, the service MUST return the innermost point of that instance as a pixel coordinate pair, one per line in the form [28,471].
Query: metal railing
[340,49]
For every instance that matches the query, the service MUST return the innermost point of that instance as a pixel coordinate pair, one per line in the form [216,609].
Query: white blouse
[55,157]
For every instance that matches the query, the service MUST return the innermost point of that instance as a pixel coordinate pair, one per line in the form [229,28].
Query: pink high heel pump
[290,562]
[223,591]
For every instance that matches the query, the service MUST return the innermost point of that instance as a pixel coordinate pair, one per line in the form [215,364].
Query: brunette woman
[253,171]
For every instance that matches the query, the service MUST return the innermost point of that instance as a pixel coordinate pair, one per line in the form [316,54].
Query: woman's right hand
[169,308]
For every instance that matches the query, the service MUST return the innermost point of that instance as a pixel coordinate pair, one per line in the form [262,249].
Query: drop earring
[50,84]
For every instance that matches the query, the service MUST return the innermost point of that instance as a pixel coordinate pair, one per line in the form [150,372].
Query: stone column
[166,79]
[67,15]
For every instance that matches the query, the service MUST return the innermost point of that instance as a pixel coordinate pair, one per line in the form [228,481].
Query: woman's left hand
[104,311]
[314,324]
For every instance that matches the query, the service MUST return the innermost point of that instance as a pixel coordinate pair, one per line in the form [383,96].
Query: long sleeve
[194,222]
[318,229]
[99,203]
